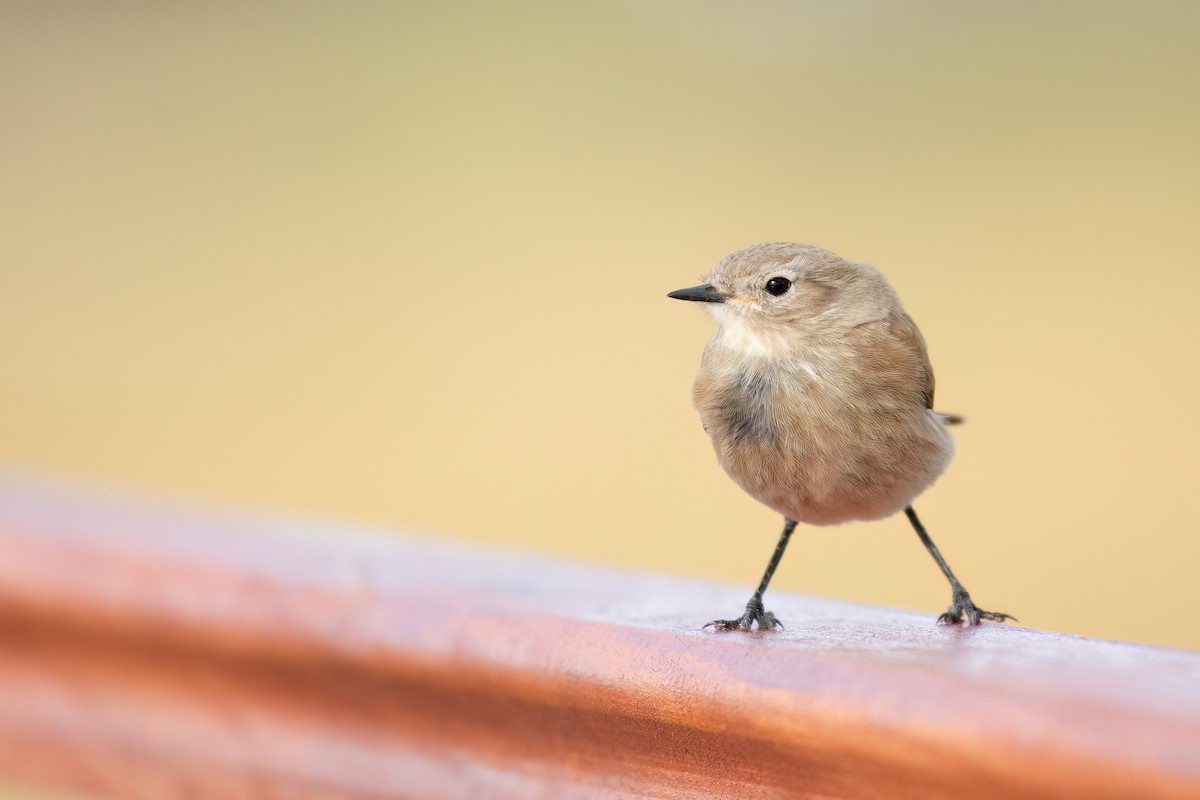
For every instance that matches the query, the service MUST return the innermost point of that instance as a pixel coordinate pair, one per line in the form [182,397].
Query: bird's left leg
[756,614]
[960,600]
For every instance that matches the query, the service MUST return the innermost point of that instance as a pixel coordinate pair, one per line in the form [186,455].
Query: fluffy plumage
[818,394]
[818,401]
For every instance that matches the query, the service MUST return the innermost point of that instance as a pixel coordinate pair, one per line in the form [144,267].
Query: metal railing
[153,652]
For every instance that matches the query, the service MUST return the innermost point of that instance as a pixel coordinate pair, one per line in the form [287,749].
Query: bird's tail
[951,419]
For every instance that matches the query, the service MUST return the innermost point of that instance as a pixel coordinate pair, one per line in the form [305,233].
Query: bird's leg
[755,613]
[960,602]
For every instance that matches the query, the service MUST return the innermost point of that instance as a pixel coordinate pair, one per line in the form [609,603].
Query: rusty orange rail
[148,652]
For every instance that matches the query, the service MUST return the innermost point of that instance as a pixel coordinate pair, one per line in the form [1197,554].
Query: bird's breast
[739,406]
[806,441]
[764,402]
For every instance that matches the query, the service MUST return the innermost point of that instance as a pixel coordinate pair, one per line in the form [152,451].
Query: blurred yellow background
[407,264]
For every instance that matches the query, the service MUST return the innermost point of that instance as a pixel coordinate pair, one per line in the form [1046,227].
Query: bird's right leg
[756,614]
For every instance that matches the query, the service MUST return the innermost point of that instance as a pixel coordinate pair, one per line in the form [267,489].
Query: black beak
[705,293]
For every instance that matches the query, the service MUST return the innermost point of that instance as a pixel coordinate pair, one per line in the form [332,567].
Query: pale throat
[738,333]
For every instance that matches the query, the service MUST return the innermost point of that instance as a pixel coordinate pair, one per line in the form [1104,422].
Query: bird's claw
[962,605]
[755,615]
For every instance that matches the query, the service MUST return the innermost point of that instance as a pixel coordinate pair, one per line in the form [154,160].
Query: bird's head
[768,294]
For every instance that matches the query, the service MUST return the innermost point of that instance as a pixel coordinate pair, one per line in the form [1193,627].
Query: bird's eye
[778,286]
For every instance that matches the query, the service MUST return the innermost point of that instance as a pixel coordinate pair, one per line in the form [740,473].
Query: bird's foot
[755,615]
[962,606]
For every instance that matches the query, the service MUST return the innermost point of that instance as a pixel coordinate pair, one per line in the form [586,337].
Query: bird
[817,392]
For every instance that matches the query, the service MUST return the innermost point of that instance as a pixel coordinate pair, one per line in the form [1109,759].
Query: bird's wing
[909,336]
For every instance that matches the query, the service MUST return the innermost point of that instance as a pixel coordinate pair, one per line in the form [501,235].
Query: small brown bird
[818,394]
